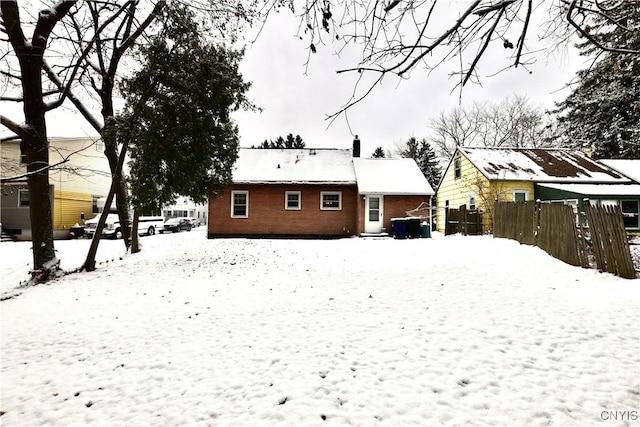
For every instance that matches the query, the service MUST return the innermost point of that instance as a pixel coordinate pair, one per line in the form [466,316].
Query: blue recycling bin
[413,228]
[399,228]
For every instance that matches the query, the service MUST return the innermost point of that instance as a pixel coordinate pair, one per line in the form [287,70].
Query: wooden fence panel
[463,221]
[610,245]
[556,232]
[553,228]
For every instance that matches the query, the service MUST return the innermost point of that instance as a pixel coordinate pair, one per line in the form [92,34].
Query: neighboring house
[76,185]
[627,196]
[184,207]
[478,176]
[315,193]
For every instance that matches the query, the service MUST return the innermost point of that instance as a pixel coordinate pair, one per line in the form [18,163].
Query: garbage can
[425,229]
[399,228]
[413,227]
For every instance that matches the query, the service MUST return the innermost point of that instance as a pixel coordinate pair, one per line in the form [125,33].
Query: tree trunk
[135,247]
[35,144]
[121,194]
[36,149]
[90,262]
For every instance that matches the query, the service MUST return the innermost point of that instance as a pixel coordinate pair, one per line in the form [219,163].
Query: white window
[292,200]
[330,200]
[239,204]
[23,158]
[457,168]
[520,195]
[472,201]
[23,198]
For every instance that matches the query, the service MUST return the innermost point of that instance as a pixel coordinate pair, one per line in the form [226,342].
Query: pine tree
[178,116]
[378,153]
[603,111]
[425,156]
[289,142]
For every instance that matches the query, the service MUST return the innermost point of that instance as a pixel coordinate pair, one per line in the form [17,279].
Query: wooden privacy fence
[552,227]
[467,222]
[609,238]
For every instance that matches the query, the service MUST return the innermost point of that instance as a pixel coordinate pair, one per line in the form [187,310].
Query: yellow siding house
[79,176]
[478,176]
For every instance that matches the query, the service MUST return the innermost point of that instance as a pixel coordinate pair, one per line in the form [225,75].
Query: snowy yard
[443,331]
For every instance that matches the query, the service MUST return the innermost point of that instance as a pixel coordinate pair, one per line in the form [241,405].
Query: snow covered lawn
[453,331]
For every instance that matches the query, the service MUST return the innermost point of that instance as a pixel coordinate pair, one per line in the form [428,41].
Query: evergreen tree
[603,111]
[178,116]
[378,153]
[425,156]
[289,142]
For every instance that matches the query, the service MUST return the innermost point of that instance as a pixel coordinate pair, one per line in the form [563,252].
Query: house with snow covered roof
[315,193]
[478,176]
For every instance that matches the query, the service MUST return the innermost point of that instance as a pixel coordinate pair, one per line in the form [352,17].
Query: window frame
[286,200]
[330,193]
[517,191]
[473,203]
[630,215]
[22,191]
[233,203]
[457,168]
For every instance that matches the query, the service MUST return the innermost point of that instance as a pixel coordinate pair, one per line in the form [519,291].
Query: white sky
[298,103]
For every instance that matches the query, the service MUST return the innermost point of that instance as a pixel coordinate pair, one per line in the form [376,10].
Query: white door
[373,214]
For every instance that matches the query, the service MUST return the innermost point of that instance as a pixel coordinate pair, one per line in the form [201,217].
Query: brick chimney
[356,147]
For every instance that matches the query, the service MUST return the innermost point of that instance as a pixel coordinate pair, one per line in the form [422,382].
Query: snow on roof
[294,166]
[390,176]
[540,165]
[627,167]
[598,189]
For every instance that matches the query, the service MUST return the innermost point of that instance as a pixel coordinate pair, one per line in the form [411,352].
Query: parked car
[195,222]
[176,224]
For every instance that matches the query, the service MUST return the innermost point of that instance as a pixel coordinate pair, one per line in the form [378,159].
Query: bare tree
[514,122]
[85,67]
[402,37]
[33,132]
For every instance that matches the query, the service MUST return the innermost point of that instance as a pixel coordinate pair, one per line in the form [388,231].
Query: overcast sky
[297,102]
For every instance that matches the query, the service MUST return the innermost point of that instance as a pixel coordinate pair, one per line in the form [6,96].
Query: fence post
[462,220]
[536,227]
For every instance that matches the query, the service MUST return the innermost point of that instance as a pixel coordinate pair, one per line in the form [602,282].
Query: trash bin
[425,229]
[413,227]
[399,228]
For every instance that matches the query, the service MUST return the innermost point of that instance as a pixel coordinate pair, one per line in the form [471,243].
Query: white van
[147,225]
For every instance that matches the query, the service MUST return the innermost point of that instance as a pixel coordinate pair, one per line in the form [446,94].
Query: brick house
[315,193]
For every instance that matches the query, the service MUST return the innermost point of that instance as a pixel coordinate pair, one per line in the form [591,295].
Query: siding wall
[268,216]
[73,185]
[68,207]
[471,181]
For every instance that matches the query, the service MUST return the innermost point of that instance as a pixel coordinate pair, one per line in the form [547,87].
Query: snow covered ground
[443,331]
